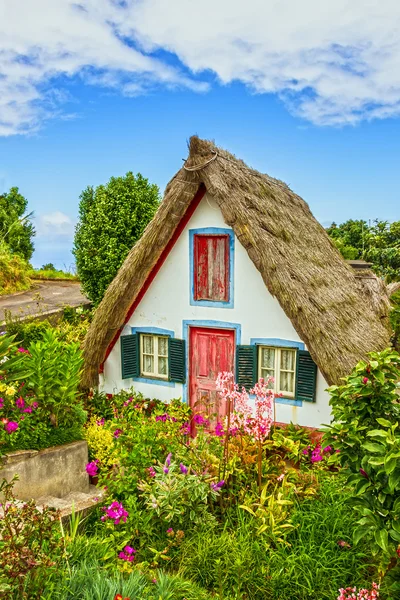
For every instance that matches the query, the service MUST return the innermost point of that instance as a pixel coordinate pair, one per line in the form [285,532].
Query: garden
[196,509]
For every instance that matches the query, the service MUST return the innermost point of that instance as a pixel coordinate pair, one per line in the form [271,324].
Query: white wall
[166,305]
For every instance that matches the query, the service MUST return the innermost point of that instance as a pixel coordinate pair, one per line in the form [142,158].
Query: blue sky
[109,87]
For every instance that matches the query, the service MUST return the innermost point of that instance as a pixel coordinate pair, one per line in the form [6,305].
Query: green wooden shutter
[130,360]
[306,377]
[177,360]
[246,366]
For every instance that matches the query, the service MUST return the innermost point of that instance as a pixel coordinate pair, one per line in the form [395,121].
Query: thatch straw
[298,262]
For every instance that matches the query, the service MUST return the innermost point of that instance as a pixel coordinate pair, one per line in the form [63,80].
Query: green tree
[16,229]
[112,218]
[378,243]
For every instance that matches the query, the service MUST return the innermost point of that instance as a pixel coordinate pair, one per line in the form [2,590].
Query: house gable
[254,314]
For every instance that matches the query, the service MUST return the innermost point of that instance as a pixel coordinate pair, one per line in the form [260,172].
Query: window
[211,267]
[279,363]
[154,356]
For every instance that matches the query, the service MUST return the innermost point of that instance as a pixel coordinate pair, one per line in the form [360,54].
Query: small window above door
[212,267]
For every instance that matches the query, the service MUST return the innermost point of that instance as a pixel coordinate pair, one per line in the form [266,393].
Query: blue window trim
[153,331]
[211,231]
[207,324]
[280,343]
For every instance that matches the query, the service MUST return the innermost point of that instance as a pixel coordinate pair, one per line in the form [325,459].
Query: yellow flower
[10,391]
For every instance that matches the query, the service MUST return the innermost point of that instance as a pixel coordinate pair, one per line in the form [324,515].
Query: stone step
[75,501]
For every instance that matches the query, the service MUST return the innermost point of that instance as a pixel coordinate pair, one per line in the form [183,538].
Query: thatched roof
[299,264]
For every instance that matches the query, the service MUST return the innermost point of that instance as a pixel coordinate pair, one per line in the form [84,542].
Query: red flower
[365,380]
[118,597]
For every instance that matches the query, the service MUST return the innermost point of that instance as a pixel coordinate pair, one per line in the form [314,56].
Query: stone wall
[56,471]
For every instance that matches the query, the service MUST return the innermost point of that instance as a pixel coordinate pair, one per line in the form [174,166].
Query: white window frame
[155,355]
[277,369]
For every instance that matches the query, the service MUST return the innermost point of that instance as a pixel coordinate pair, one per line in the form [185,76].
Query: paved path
[45,296]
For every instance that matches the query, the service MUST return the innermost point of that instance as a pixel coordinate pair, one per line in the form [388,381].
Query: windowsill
[212,303]
[282,400]
[154,381]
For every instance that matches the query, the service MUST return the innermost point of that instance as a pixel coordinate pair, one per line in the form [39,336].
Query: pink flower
[316,455]
[35,404]
[343,544]
[166,470]
[151,472]
[349,593]
[1,402]
[20,403]
[201,421]
[92,468]
[117,433]
[219,430]
[128,554]
[170,532]
[22,350]
[217,486]
[28,409]
[365,380]
[115,512]
[100,422]
[183,469]
[11,426]
[168,459]
[185,429]
[281,476]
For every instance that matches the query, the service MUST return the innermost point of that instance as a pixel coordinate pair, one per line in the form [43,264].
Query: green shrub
[40,404]
[365,434]
[14,272]
[30,549]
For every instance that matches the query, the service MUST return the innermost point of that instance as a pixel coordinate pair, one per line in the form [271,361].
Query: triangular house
[234,273]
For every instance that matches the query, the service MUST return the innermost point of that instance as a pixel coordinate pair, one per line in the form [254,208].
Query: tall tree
[16,228]
[112,218]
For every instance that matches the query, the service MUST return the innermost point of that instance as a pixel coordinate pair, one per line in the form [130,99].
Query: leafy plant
[29,546]
[367,443]
[272,513]
[101,442]
[54,375]
[178,496]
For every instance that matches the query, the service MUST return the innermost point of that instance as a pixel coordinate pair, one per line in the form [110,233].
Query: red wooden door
[210,352]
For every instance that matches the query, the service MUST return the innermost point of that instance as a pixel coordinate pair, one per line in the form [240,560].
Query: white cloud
[55,225]
[332,62]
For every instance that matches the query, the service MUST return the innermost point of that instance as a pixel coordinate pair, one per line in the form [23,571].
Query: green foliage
[142,438]
[112,218]
[29,546]
[48,267]
[39,394]
[395,319]
[53,376]
[14,271]
[16,229]
[26,332]
[179,498]
[232,560]
[364,432]
[378,243]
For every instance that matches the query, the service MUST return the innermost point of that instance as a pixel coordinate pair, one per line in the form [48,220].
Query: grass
[51,274]
[234,560]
